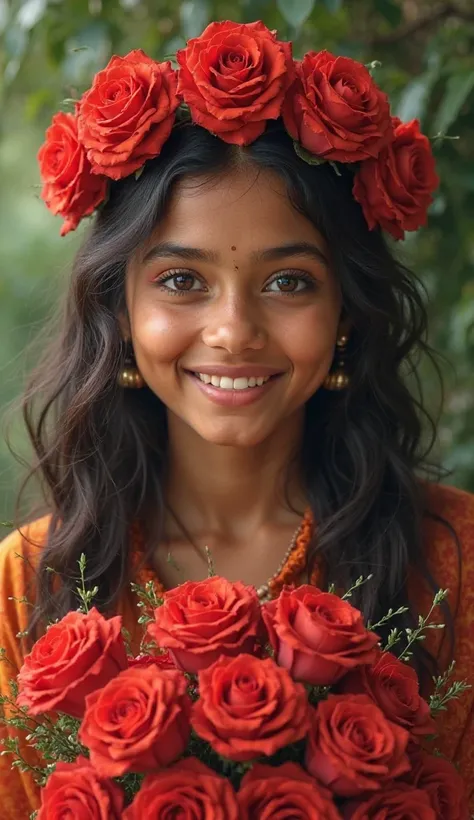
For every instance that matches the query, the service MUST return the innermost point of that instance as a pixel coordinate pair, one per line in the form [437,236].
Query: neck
[234,491]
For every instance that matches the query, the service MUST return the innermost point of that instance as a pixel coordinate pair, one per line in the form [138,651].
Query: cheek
[309,341]
[159,336]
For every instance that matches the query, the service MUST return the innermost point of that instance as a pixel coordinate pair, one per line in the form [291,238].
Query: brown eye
[183,281]
[178,282]
[292,284]
[287,283]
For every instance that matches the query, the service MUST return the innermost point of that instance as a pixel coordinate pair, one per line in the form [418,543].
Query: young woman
[230,369]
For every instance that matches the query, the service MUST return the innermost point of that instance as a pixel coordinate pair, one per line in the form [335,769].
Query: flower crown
[231,80]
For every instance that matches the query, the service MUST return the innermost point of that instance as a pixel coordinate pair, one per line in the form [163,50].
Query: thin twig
[424,21]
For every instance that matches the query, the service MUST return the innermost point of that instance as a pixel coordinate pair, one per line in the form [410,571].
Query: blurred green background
[49,50]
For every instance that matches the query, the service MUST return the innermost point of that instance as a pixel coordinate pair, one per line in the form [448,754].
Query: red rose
[200,621]
[234,77]
[162,661]
[76,790]
[281,792]
[187,789]
[249,707]
[75,657]
[396,188]
[138,722]
[353,748]
[444,786]
[69,187]
[317,636]
[398,802]
[127,115]
[335,110]
[394,687]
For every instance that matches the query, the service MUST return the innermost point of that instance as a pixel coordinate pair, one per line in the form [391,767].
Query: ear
[124,326]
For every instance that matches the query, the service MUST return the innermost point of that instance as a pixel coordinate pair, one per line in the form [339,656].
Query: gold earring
[129,376]
[338,379]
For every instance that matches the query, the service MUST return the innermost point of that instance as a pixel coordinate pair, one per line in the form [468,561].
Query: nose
[235,324]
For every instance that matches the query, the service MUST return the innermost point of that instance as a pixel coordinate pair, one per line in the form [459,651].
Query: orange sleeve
[18,558]
[453,569]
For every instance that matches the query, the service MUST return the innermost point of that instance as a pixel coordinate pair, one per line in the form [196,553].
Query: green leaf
[414,99]
[295,12]
[30,13]
[458,88]
[333,5]
[195,15]
[311,159]
[390,10]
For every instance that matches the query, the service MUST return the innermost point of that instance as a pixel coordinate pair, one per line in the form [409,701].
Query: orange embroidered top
[18,558]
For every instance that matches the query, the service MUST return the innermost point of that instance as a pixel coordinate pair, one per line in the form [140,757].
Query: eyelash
[290,274]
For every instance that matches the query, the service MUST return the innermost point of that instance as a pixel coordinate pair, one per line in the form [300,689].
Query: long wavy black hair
[101,450]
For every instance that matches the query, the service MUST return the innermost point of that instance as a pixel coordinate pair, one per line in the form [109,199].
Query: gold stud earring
[129,376]
[338,378]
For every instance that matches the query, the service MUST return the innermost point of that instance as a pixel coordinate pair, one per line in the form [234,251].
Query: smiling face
[233,281]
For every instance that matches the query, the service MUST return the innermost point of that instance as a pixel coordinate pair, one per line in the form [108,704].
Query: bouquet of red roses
[233,709]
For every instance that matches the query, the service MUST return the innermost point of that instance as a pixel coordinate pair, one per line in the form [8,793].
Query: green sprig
[86,595]
[360,581]
[148,601]
[445,691]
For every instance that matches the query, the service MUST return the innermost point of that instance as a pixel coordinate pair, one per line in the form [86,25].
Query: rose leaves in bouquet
[352,748]
[281,792]
[200,621]
[186,789]
[394,687]
[396,802]
[317,636]
[75,657]
[77,790]
[249,707]
[138,722]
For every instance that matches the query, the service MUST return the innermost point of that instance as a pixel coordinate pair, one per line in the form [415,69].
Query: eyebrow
[165,250]
[304,249]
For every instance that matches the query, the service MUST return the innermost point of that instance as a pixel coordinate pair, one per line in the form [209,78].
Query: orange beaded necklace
[288,573]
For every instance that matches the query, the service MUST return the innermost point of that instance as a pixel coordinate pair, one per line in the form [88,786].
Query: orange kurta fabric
[18,558]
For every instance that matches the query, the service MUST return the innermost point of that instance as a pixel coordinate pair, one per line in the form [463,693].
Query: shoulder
[455,507]
[20,552]
[448,537]
[449,548]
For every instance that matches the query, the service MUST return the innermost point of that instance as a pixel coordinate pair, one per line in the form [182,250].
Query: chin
[229,435]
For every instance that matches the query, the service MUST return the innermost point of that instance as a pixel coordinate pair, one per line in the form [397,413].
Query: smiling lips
[227,383]
[234,387]
[240,377]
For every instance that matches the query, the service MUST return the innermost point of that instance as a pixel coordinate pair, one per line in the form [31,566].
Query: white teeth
[226,383]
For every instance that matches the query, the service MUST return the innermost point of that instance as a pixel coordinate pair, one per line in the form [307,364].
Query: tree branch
[424,21]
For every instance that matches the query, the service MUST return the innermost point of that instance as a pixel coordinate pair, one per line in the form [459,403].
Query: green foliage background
[49,50]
